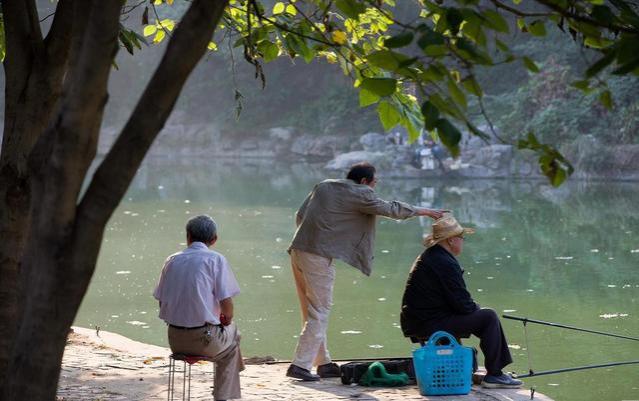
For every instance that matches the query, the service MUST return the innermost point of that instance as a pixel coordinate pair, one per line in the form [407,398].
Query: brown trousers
[223,346]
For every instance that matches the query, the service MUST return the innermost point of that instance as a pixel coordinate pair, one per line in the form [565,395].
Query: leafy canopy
[420,73]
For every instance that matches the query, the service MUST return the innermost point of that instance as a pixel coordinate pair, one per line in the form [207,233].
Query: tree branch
[58,40]
[110,182]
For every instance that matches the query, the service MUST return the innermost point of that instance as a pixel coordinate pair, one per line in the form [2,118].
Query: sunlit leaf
[366,98]
[388,114]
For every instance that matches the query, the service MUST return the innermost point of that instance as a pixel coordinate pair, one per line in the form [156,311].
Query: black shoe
[330,369]
[296,372]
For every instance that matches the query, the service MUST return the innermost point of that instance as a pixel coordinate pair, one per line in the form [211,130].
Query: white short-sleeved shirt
[192,284]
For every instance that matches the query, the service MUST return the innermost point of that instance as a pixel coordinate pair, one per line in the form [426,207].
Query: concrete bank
[112,367]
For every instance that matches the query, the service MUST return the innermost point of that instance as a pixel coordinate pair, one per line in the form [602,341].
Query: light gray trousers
[223,346]
[314,278]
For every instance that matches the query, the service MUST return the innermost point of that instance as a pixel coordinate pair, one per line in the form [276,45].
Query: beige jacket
[337,220]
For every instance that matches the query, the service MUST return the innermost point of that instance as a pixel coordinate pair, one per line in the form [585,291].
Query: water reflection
[568,255]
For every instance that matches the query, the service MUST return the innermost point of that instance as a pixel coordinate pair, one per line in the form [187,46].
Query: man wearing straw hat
[436,299]
[336,221]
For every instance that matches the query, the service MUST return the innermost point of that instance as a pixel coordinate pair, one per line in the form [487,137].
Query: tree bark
[34,72]
[59,259]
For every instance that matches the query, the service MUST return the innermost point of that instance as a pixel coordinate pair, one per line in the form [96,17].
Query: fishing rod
[532,373]
[563,326]
[550,372]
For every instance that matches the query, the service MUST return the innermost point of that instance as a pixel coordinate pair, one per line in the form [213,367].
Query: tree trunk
[33,82]
[58,260]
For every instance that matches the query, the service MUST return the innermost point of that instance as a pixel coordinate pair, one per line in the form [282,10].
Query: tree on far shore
[417,73]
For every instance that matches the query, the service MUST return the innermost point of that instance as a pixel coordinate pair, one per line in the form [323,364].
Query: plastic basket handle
[438,335]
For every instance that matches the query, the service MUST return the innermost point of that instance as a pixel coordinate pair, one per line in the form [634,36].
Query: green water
[569,255]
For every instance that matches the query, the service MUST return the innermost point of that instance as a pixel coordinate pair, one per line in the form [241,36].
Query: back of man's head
[361,170]
[201,229]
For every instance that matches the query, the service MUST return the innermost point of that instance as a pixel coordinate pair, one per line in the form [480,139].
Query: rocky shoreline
[393,156]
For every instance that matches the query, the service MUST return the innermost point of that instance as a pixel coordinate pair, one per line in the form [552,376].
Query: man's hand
[227,311]
[432,213]
[225,321]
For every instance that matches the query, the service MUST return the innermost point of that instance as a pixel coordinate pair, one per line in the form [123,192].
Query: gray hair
[201,229]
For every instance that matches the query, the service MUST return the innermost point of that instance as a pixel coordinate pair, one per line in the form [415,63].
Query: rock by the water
[373,142]
[346,160]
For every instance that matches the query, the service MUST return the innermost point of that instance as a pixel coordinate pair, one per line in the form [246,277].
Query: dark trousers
[483,323]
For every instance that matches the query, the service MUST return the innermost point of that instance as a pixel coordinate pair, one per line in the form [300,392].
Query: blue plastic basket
[443,369]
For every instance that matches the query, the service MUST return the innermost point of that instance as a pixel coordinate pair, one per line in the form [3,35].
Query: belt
[188,328]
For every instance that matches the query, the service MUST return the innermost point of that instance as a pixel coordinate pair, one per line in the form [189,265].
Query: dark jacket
[435,289]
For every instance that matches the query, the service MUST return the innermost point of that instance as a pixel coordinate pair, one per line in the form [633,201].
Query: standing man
[436,299]
[195,293]
[336,221]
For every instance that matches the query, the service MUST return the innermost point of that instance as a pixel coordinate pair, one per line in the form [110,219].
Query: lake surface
[568,255]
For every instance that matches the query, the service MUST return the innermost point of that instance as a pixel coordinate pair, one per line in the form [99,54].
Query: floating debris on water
[115,316]
[553,384]
[160,186]
[634,251]
[564,258]
[514,346]
[187,201]
[376,346]
[267,276]
[278,239]
[530,290]
[611,286]
[594,250]
[490,277]
[136,323]
[127,212]
[385,251]
[351,332]
[124,271]
[276,267]
[611,258]
[381,299]
[613,315]
[510,310]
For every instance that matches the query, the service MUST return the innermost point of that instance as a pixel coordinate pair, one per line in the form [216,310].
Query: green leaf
[600,64]
[400,40]
[431,115]
[149,30]
[386,59]
[472,86]
[449,135]
[350,8]
[366,98]
[388,115]
[606,99]
[457,95]
[537,28]
[430,38]
[583,85]
[278,8]
[269,50]
[530,65]
[495,21]
[380,86]
[454,19]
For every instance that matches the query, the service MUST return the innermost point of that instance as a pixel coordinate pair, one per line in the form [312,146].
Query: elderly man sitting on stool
[195,291]
[436,298]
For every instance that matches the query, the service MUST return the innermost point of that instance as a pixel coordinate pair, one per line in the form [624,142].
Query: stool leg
[184,382]
[169,394]
[189,397]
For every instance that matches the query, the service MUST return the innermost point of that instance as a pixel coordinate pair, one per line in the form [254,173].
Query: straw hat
[444,228]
